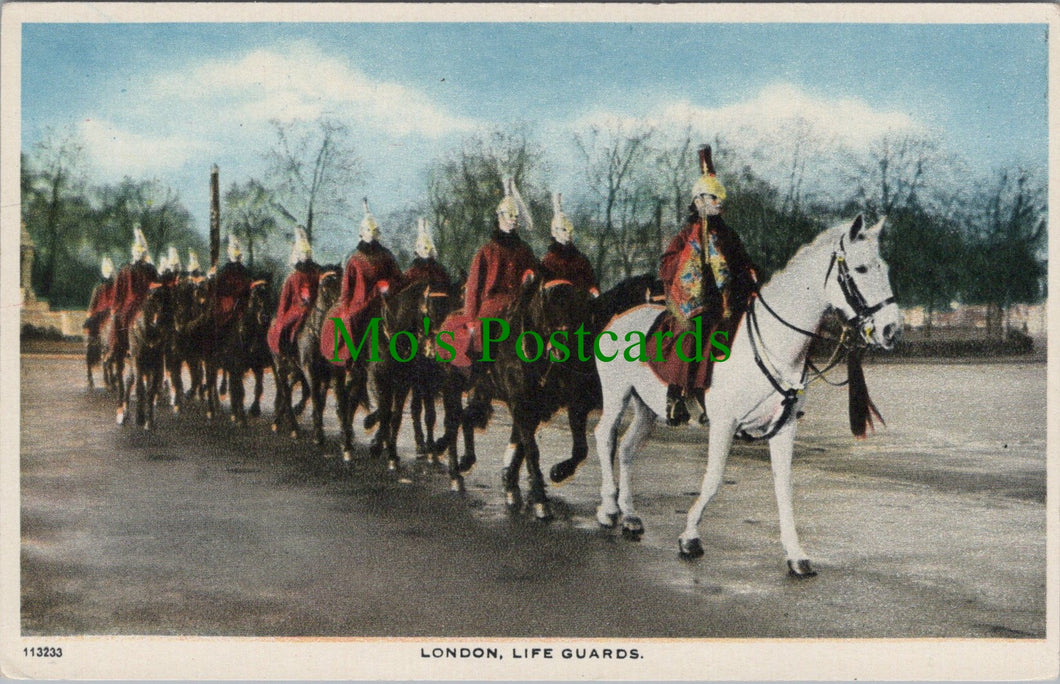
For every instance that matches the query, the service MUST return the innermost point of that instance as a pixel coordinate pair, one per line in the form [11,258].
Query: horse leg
[689,543]
[632,441]
[319,387]
[259,389]
[154,386]
[223,390]
[781,447]
[306,393]
[538,497]
[606,438]
[176,383]
[141,394]
[577,418]
[237,396]
[343,399]
[513,459]
[416,409]
[213,401]
[400,394]
[123,392]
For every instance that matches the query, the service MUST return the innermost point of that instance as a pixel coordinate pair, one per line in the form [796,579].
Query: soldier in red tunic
[497,273]
[232,286]
[708,276]
[99,306]
[425,265]
[370,271]
[297,296]
[130,288]
[563,261]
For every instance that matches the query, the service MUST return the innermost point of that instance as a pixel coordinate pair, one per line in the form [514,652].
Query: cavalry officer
[425,265]
[232,286]
[497,273]
[563,261]
[170,270]
[297,296]
[102,300]
[131,286]
[194,270]
[370,271]
[707,275]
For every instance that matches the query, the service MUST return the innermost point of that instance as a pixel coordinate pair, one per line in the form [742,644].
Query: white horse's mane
[828,236]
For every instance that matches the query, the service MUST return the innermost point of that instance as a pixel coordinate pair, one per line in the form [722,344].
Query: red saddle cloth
[661,344]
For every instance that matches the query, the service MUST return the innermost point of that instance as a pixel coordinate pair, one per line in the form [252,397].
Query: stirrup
[676,411]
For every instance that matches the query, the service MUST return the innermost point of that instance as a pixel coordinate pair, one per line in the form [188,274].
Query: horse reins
[862,313]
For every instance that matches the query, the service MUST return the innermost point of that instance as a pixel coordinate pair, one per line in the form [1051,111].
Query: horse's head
[858,285]
[156,310]
[258,310]
[555,306]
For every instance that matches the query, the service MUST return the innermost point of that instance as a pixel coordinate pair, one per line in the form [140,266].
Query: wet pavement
[932,527]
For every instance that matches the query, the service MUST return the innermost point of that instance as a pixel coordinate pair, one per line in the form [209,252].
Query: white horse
[758,389]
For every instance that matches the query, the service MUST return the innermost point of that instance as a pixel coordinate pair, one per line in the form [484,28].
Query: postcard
[528,342]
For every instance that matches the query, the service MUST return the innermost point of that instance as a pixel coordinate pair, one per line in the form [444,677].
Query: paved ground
[934,527]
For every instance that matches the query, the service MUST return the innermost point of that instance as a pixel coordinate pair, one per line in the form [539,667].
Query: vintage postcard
[528,342]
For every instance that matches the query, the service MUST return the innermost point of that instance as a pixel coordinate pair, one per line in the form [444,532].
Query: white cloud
[117,152]
[303,83]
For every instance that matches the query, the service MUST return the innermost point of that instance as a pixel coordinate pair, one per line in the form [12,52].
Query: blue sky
[167,100]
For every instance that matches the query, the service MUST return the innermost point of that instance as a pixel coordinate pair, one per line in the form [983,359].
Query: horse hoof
[347,456]
[608,520]
[120,419]
[542,511]
[632,528]
[148,426]
[801,569]
[456,485]
[275,427]
[467,463]
[392,466]
[562,470]
[422,450]
[693,548]
[254,412]
[317,439]
[176,409]
[513,498]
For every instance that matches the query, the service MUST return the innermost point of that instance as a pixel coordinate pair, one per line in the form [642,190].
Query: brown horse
[149,333]
[308,366]
[235,349]
[407,330]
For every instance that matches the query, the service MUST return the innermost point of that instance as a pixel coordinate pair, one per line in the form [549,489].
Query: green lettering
[719,345]
[355,350]
[659,337]
[556,344]
[394,352]
[445,345]
[519,346]
[642,342]
[486,339]
[698,336]
[580,333]
[596,346]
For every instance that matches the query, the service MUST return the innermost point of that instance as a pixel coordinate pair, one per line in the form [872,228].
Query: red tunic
[496,275]
[233,291]
[296,302]
[431,271]
[370,265]
[719,309]
[565,262]
[99,307]
[130,288]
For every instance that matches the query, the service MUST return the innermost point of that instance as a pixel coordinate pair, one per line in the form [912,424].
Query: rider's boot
[676,411]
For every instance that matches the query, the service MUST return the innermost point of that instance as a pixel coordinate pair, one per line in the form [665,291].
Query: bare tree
[313,168]
[249,213]
[612,155]
[895,171]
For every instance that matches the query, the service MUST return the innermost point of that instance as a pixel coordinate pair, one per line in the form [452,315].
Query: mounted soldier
[99,311]
[563,260]
[497,273]
[425,265]
[370,271]
[297,296]
[231,286]
[708,279]
[194,271]
[170,268]
[130,288]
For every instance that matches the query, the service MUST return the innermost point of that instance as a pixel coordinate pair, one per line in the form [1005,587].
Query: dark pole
[215,216]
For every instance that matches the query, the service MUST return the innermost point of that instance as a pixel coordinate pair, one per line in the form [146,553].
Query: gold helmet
[302,250]
[513,206]
[369,226]
[235,250]
[708,183]
[425,248]
[173,261]
[139,246]
[106,267]
[193,262]
[562,228]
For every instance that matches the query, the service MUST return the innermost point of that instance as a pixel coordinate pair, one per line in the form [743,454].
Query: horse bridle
[855,300]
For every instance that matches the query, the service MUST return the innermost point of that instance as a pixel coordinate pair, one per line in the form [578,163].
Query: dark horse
[148,334]
[406,362]
[97,349]
[192,323]
[533,379]
[305,364]
[235,349]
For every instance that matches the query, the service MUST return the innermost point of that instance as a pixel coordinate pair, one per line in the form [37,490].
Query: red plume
[706,163]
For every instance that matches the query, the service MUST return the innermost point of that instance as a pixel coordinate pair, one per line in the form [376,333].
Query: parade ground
[934,526]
